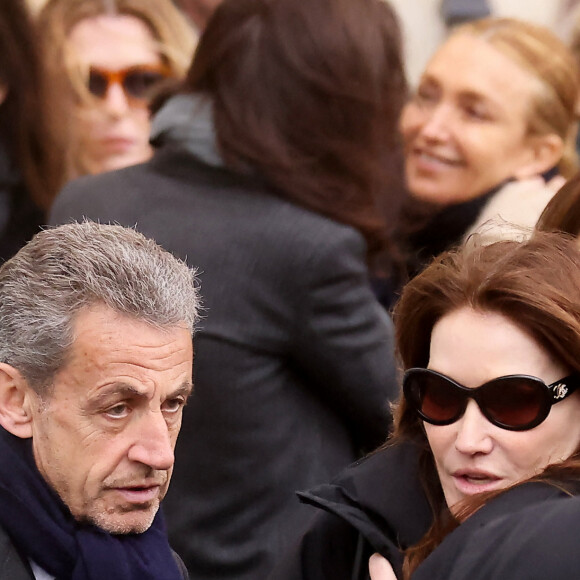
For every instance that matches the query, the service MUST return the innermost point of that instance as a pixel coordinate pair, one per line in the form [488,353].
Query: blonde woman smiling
[489,133]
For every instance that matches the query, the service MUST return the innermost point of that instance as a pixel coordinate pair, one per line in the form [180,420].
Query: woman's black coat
[294,364]
[376,505]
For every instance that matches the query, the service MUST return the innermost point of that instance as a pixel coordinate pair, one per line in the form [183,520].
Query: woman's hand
[380,569]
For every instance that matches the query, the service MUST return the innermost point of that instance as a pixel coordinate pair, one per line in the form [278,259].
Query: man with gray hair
[96,326]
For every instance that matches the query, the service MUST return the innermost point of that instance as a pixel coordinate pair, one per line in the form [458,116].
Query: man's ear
[16,401]
[545,151]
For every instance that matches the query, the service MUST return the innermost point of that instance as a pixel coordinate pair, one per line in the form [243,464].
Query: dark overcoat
[293,356]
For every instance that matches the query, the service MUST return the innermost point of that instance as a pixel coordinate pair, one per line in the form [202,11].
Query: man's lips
[471,482]
[138,495]
[138,492]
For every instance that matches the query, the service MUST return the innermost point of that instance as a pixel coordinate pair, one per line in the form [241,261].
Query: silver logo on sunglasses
[560,391]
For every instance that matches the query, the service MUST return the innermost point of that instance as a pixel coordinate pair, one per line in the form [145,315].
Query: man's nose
[152,445]
[473,431]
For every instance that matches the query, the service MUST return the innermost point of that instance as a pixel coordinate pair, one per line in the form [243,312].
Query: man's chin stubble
[118,521]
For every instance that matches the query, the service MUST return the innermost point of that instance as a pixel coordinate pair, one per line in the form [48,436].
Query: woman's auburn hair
[535,284]
[555,98]
[308,94]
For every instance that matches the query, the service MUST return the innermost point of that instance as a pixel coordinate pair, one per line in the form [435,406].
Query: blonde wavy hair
[554,105]
[174,35]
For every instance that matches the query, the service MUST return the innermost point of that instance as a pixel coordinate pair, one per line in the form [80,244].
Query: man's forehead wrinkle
[101,354]
[121,388]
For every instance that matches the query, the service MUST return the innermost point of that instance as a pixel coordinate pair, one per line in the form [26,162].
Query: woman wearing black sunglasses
[490,341]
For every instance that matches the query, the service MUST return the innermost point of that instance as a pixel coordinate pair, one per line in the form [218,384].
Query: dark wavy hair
[535,284]
[26,127]
[307,94]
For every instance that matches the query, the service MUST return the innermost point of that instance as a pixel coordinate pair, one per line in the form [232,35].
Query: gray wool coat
[293,365]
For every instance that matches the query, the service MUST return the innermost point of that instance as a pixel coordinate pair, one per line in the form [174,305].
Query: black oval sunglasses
[513,402]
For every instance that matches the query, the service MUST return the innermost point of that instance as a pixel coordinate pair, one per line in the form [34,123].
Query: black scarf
[441,228]
[42,528]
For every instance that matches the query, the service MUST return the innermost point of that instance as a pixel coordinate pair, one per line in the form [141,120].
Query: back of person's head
[307,94]
[25,128]
[540,52]
[535,284]
[562,214]
[64,270]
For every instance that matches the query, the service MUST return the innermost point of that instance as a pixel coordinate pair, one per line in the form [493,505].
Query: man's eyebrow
[126,391]
[185,390]
[116,390]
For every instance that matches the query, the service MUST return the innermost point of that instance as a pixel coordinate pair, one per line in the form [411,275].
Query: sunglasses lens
[515,402]
[437,400]
[97,84]
[139,83]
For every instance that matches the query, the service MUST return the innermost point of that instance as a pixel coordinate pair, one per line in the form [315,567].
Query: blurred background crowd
[310,157]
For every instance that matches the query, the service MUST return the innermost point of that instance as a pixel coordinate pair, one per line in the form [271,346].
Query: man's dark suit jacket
[12,565]
[294,356]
